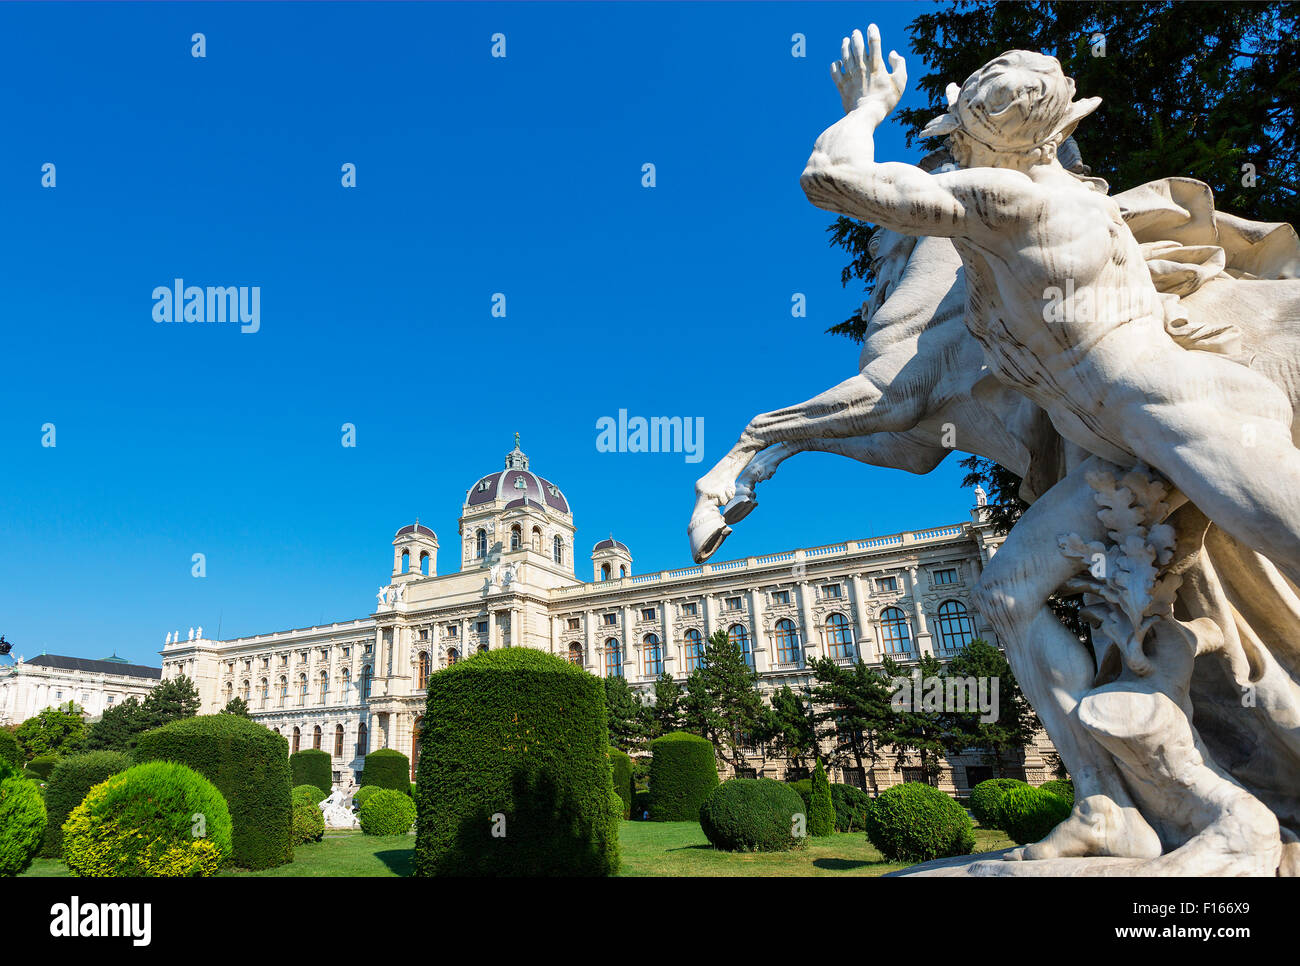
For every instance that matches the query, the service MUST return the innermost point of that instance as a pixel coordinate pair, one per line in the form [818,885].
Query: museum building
[354,687]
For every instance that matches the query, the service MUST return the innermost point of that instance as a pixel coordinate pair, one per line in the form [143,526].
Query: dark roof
[96,667]
[515,484]
[417,528]
[611,544]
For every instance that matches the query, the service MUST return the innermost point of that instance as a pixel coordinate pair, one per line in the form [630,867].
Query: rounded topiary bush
[514,774]
[155,819]
[308,793]
[249,764]
[365,791]
[851,806]
[985,796]
[683,771]
[752,815]
[1062,788]
[1028,814]
[42,765]
[22,823]
[9,750]
[387,768]
[387,812]
[803,788]
[71,779]
[621,765]
[914,822]
[821,811]
[308,820]
[312,767]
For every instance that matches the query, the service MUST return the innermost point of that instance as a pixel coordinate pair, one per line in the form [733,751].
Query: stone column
[806,623]
[666,624]
[862,638]
[589,649]
[631,646]
[924,644]
[757,638]
[555,637]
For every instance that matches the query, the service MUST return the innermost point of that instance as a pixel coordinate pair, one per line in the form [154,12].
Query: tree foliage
[53,731]
[723,703]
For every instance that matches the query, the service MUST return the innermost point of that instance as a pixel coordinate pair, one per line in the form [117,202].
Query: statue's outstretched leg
[1055,670]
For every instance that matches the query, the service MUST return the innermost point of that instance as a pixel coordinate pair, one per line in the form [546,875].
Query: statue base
[990,864]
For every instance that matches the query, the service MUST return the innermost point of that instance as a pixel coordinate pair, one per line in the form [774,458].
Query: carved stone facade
[355,687]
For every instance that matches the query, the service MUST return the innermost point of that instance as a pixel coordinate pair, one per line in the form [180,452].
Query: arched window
[324,687]
[302,690]
[839,636]
[363,740]
[514,537]
[315,738]
[453,656]
[230,692]
[424,562]
[787,642]
[895,631]
[613,658]
[347,682]
[604,571]
[955,628]
[284,690]
[480,543]
[537,539]
[406,561]
[265,688]
[694,650]
[575,654]
[622,570]
[365,683]
[422,680]
[739,636]
[652,655]
[338,741]
[244,691]
[297,740]
[557,550]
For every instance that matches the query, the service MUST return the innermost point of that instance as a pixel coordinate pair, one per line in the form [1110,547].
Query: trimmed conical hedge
[683,771]
[312,767]
[514,774]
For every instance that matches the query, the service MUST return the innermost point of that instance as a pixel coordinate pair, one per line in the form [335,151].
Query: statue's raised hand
[861,77]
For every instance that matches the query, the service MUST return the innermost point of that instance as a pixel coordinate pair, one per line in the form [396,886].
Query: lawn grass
[649,849]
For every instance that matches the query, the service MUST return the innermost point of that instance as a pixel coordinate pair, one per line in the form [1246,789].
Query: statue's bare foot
[1097,826]
[707,530]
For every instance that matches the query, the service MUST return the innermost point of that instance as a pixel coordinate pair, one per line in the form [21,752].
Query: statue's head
[1013,112]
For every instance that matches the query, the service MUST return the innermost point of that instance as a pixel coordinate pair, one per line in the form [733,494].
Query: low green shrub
[312,767]
[310,794]
[159,819]
[1064,788]
[361,794]
[71,779]
[803,788]
[387,812]
[1028,814]
[984,798]
[22,823]
[821,811]
[683,771]
[621,765]
[752,815]
[308,820]
[914,822]
[387,768]
[851,806]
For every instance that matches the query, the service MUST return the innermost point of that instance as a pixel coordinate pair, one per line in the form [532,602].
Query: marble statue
[381,597]
[981,498]
[1186,612]
[337,808]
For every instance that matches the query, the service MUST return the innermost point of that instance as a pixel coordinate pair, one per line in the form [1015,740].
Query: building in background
[29,687]
[354,687]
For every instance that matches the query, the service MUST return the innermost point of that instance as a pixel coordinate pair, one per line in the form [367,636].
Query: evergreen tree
[116,730]
[1006,737]
[911,730]
[236,706]
[723,703]
[821,810]
[665,714]
[170,701]
[851,710]
[792,730]
[626,731]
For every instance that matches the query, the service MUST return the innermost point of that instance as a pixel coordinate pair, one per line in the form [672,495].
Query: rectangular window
[575,623]
[831,591]
[733,603]
[647,613]
[424,633]
[482,627]
[780,596]
[453,630]
[611,620]
[689,609]
[886,585]
[948,576]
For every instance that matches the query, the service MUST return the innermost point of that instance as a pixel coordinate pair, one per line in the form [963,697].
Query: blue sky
[475,175]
